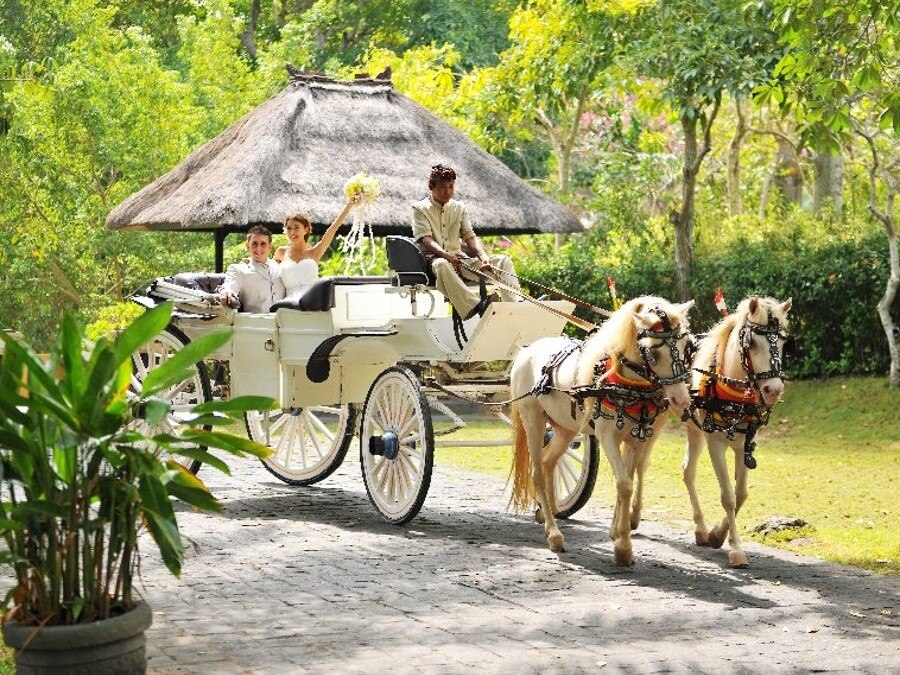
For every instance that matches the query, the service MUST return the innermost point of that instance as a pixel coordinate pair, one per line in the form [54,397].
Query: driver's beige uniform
[449,226]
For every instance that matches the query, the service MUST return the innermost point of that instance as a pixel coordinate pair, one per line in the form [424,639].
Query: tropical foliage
[677,130]
[83,472]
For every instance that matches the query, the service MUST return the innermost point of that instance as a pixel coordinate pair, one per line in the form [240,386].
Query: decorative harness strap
[640,401]
[735,406]
[620,398]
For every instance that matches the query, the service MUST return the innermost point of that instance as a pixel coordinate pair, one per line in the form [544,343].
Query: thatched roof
[297,150]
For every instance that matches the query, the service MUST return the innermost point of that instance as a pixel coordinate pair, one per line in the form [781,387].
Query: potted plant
[82,475]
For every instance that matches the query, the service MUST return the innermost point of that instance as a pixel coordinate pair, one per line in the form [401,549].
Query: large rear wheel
[308,444]
[181,397]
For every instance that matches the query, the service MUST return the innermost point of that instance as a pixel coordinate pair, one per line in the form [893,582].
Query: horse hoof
[539,515]
[738,559]
[623,556]
[556,542]
[715,539]
[701,538]
[635,521]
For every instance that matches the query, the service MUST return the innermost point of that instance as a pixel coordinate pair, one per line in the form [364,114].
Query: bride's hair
[301,217]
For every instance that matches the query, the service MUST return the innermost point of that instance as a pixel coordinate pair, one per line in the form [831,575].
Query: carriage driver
[253,285]
[442,229]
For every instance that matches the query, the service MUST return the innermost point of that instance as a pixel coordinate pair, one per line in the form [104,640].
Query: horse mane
[713,345]
[618,335]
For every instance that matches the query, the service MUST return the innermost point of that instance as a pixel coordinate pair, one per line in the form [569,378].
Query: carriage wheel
[308,444]
[396,445]
[196,389]
[575,475]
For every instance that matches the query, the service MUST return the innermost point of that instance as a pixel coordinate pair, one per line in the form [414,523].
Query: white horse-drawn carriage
[366,356]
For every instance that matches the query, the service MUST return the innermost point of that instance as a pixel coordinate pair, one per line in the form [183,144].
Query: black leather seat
[319,297]
[406,259]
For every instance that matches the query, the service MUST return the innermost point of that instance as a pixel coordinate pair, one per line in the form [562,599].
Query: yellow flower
[367,186]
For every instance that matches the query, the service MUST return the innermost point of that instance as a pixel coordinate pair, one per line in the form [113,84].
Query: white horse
[738,377]
[626,375]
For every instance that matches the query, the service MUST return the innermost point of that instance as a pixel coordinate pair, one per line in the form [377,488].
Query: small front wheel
[396,445]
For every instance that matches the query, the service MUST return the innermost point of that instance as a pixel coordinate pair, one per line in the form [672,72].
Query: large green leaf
[70,346]
[179,367]
[228,442]
[142,330]
[160,520]
[203,456]
[239,404]
[188,488]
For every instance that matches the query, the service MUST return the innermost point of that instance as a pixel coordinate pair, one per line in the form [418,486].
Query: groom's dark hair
[259,229]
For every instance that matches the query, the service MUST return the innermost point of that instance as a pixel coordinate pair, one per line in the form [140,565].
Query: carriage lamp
[386,445]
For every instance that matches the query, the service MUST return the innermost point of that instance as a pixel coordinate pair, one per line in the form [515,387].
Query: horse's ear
[786,305]
[753,305]
[685,307]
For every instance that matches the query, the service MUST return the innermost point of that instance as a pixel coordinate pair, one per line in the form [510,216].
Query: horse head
[748,346]
[761,340]
[663,340]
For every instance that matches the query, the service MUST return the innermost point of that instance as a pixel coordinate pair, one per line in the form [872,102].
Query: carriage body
[366,357]
[275,354]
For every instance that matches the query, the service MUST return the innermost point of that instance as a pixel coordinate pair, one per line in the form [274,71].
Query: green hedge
[835,287]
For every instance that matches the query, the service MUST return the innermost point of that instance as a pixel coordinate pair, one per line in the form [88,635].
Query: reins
[496,281]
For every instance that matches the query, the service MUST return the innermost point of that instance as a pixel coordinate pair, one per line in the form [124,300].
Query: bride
[299,262]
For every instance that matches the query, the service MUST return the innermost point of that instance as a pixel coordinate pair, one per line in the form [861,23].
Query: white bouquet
[367,188]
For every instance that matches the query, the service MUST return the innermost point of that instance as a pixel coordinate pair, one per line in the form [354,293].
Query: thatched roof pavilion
[297,150]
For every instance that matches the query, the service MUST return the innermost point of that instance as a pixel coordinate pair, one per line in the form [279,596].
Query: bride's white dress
[297,276]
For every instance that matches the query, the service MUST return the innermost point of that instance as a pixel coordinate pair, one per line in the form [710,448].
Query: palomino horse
[626,374]
[738,376]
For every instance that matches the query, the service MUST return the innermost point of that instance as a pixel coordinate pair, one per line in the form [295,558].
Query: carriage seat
[319,297]
[208,282]
[407,262]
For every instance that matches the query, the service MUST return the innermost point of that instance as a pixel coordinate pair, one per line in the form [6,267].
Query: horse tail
[522,496]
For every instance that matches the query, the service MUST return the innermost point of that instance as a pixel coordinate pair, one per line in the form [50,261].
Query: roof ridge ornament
[310,76]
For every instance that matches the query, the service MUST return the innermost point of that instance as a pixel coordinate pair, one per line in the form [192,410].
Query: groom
[254,285]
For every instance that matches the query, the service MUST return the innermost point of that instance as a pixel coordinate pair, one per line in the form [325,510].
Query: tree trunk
[891,330]
[886,217]
[684,220]
[248,35]
[829,188]
[790,176]
[735,207]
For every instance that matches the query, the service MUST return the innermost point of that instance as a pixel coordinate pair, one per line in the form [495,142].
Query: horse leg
[717,448]
[643,461]
[534,428]
[562,438]
[620,530]
[695,442]
[736,556]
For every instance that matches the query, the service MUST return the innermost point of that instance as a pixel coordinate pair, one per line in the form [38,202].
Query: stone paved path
[311,580]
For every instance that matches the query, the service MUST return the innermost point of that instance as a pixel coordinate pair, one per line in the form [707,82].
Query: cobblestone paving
[312,580]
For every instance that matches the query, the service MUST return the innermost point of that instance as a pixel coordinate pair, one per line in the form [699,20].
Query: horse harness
[618,397]
[735,406]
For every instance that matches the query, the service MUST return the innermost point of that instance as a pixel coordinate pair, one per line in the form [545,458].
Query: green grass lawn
[830,455]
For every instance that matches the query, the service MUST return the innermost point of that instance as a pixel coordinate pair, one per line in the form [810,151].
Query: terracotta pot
[107,647]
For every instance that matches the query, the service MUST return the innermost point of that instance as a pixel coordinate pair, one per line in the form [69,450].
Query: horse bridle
[771,331]
[667,337]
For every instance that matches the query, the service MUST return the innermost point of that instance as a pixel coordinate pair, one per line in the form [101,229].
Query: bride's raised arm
[322,245]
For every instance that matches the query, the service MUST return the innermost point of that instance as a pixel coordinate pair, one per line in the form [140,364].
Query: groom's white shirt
[256,284]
